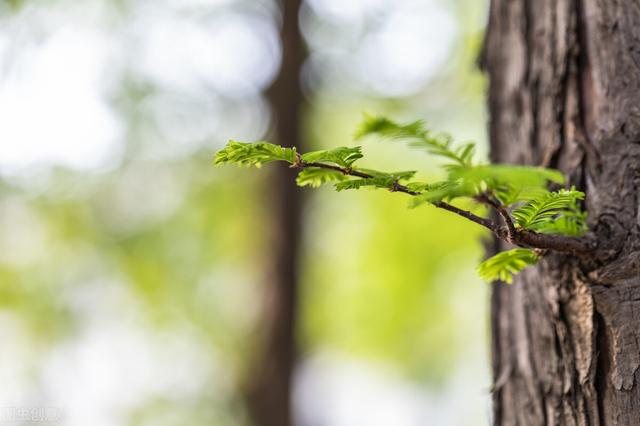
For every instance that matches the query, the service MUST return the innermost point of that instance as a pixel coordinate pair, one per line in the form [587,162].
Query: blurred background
[141,285]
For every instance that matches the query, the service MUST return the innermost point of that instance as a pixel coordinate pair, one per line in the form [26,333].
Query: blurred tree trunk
[269,390]
[565,93]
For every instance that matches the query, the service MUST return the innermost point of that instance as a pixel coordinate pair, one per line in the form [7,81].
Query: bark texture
[269,388]
[565,93]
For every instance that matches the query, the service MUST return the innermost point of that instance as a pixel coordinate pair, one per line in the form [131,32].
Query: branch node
[299,164]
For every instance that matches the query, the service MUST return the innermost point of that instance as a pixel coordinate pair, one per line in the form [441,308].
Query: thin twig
[509,234]
[489,199]
[397,187]
[468,215]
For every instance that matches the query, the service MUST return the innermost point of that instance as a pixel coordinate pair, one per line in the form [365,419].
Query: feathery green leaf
[253,154]
[405,175]
[539,212]
[377,182]
[315,177]
[419,136]
[570,223]
[376,125]
[342,156]
[504,265]
[517,177]
[438,191]
[522,190]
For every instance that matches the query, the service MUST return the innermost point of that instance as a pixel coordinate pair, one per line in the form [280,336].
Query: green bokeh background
[171,248]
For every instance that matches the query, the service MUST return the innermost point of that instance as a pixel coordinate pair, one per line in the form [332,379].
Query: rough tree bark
[565,93]
[269,388]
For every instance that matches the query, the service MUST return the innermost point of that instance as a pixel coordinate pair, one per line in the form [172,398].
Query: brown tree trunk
[565,93]
[269,389]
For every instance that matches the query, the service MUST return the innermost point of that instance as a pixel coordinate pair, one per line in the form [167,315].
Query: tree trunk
[269,388]
[565,93]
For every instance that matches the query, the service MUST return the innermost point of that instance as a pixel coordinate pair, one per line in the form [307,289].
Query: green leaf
[440,145]
[570,223]
[419,136]
[379,179]
[504,265]
[522,190]
[376,125]
[466,152]
[377,182]
[406,175]
[538,213]
[342,156]
[518,177]
[254,154]
[509,194]
[417,186]
[400,176]
[438,191]
[315,177]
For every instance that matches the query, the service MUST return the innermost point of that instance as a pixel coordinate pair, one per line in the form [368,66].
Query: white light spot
[51,107]
[233,55]
[409,49]
[341,10]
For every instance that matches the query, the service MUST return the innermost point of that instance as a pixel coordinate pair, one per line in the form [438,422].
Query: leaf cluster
[553,213]
[520,192]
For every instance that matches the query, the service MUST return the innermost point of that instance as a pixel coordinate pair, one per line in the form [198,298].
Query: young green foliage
[445,190]
[254,154]
[418,136]
[542,214]
[571,222]
[504,265]
[519,194]
[342,156]
[377,180]
[316,177]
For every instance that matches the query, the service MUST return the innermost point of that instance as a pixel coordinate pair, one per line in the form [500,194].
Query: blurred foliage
[166,245]
[375,290]
[184,260]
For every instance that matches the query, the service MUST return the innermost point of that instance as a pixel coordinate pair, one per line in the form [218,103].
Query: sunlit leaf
[315,177]
[253,154]
[342,156]
[440,191]
[503,266]
[522,190]
[377,182]
[539,212]
[382,126]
